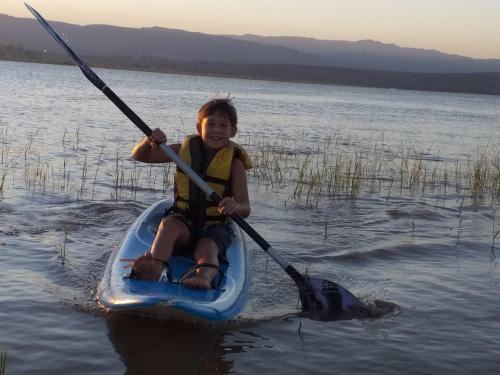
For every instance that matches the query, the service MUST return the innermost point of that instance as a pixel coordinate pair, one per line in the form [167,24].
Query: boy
[195,221]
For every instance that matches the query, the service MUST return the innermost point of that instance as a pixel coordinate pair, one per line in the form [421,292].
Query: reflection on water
[150,345]
[154,346]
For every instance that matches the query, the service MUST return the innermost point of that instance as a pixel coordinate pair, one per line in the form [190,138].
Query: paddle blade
[331,296]
[92,77]
[318,294]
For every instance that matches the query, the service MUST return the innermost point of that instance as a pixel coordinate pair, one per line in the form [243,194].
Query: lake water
[70,192]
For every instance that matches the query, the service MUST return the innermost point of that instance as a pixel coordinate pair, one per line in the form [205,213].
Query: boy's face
[216,130]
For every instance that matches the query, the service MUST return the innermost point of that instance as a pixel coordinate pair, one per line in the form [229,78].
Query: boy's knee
[171,226]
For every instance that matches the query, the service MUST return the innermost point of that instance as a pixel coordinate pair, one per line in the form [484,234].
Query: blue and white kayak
[166,298]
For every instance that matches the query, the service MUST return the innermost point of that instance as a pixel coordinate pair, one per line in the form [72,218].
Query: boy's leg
[206,252]
[171,232]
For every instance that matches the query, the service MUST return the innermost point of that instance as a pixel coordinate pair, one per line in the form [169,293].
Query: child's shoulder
[241,155]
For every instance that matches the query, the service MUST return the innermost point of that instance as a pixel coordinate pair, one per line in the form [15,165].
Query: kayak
[167,298]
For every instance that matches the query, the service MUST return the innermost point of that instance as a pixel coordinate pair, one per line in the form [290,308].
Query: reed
[3,361]
[312,170]
[460,218]
[356,178]
[301,178]
[479,177]
[64,138]
[390,189]
[495,234]
[330,170]
[98,164]
[5,160]
[495,174]
[77,139]
[62,246]
[116,177]
[166,182]
[82,179]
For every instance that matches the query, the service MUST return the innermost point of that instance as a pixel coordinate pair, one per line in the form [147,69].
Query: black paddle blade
[328,295]
[79,62]
[318,294]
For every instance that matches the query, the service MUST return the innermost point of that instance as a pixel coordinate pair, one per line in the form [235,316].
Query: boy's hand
[157,137]
[227,206]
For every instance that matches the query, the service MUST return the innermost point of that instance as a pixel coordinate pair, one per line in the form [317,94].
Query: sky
[464,27]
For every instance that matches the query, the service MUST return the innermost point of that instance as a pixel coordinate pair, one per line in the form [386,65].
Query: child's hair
[224,106]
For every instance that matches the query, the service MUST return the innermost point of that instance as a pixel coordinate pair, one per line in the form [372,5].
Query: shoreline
[462,83]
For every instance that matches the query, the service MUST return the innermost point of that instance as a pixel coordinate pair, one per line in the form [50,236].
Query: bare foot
[197,282]
[146,268]
[202,279]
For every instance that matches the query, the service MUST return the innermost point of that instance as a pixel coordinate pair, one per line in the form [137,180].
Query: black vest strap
[197,199]
[216,180]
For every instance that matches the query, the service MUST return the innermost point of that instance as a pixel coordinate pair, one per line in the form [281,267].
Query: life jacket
[192,201]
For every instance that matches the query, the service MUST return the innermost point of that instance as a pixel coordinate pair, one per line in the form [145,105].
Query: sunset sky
[465,27]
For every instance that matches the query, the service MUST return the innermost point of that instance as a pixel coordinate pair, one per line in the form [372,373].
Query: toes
[197,282]
[147,270]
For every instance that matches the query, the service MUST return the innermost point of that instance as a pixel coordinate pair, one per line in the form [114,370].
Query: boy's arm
[147,150]
[240,202]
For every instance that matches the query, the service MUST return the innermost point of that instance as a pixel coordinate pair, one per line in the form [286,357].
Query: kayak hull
[119,293]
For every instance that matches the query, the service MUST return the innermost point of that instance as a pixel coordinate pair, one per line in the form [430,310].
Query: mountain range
[163,49]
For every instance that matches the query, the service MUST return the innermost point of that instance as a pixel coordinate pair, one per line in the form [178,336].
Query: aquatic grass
[390,188]
[37,174]
[495,175]
[167,180]
[356,177]
[311,171]
[479,177]
[77,139]
[116,176]
[495,233]
[6,162]
[62,246]
[64,138]
[460,219]
[3,361]
[347,173]
[301,178]
[98,164]
[82,179]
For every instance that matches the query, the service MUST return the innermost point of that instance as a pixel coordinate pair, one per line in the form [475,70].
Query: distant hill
[363,63]
[153,42]
[163,43]
[373,55]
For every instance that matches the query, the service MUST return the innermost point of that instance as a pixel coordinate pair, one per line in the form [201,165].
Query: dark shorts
[221,233]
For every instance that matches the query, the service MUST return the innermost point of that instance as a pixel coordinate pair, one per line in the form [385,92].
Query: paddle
[315,294]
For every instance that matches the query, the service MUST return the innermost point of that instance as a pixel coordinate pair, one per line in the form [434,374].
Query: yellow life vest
[189,199]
